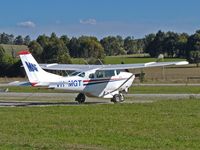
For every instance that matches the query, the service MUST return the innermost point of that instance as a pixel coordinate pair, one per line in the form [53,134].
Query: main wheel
[80,98]
[116,98]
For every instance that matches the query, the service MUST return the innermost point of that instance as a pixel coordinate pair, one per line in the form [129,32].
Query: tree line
[11,39]
[49,49]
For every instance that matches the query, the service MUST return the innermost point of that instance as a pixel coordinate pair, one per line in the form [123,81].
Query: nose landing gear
[118,98]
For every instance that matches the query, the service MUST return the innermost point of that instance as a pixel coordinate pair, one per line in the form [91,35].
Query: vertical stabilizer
[36,75]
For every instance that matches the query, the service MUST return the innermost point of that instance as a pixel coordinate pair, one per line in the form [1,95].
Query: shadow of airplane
[25,104]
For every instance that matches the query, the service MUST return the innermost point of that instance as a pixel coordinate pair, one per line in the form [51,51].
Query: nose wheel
[118,98]
[80,98]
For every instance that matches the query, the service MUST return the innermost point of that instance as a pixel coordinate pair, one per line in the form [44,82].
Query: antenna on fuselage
[86,62]
[100,62]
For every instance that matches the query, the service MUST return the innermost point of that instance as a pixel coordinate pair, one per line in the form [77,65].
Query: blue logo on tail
[31,67]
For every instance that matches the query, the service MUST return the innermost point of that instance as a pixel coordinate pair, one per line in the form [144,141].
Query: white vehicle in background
[105,81]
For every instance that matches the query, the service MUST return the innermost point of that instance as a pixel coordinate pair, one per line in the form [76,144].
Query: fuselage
[97,83]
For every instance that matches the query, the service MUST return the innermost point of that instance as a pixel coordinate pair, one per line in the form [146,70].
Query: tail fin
[36,75]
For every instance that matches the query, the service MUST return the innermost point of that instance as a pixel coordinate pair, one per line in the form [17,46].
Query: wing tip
[182,63]
[149,63]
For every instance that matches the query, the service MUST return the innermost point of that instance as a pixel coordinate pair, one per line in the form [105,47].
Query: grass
[9,48]
[159,125]
[165,90]
[132,90]
[175,74]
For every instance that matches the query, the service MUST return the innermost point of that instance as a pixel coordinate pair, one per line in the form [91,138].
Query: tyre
[80,98]
[116,98]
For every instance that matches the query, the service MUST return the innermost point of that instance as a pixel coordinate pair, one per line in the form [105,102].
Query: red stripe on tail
[23,52]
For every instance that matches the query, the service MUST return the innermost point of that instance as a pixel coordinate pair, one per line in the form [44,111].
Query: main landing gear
[80,98]
[117,98]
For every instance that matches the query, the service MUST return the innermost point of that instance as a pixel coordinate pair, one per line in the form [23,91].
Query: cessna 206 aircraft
[105,81]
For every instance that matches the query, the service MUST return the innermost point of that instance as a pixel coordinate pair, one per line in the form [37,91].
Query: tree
[113,45]
[182,45]
[162,43]
[65,39]
[27,40]
[155,47]
[147,41]
[53,36]
[86,47]
[19,40]
[43,40]
[55,50]
[130,45]
[11,39]
[74,46]
[170,44]
[91,48]
[64,58]
[140,45]
[2,53]
[195,57]
[194,41]
[4,38]
[134,46]
[36,49]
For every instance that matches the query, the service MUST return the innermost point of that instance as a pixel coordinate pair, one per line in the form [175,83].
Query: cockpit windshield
[77,73]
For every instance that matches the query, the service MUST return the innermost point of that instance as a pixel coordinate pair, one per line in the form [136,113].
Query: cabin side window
[91,75]
[109,73]
[105,73]
[100,74]
[117,72]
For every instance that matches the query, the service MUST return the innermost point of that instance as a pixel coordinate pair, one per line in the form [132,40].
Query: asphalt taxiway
[13,99]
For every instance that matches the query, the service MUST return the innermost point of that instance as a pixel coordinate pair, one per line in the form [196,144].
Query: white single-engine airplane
[105,81]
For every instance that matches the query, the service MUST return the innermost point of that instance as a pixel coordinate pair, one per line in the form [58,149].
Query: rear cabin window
[105,73]
[118,72]
[109,73]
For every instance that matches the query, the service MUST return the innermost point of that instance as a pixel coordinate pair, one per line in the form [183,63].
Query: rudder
[36,75]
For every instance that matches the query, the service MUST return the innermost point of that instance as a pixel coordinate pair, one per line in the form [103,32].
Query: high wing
[76,67]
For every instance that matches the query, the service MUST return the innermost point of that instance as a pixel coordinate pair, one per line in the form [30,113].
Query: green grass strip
[160,125]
